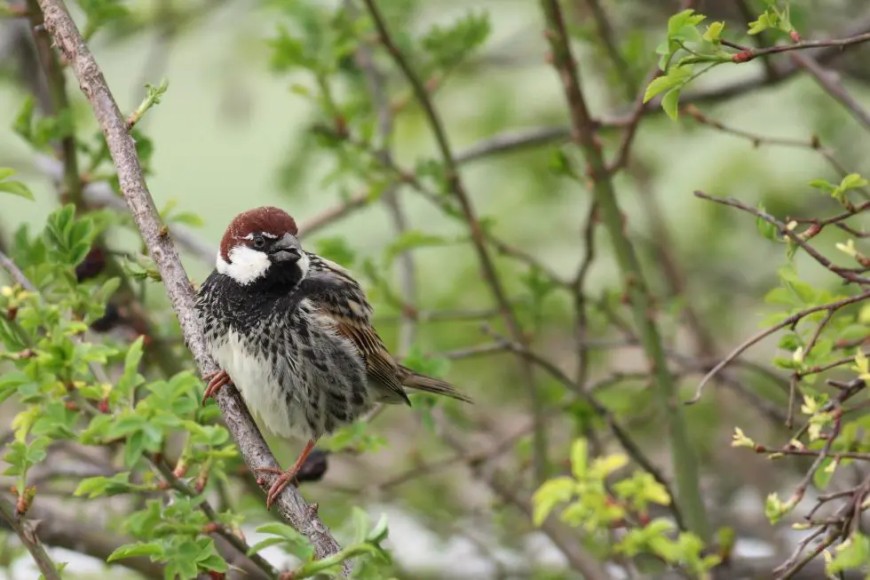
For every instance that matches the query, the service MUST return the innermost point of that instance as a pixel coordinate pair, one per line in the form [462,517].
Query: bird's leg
[216,380]
[285,477]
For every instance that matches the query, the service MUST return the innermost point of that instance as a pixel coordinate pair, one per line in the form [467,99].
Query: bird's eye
[259,242]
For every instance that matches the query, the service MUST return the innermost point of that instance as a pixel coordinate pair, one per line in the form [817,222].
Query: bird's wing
[338,298]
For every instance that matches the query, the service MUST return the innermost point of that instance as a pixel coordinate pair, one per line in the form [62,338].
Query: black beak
[286,249]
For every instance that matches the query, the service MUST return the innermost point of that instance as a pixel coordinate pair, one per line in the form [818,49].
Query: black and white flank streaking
[293,332]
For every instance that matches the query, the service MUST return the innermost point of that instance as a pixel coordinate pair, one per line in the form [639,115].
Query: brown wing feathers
[340,298]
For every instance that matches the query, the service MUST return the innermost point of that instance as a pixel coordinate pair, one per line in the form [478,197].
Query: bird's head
[261,245]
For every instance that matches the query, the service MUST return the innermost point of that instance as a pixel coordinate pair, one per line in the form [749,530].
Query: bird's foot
[284,479]
[216,381]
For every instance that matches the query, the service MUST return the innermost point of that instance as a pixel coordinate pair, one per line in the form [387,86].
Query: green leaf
[852,554]
[98,486]
[131,378]
[680,21]
[579,458]
[853,181]
[676,77]
[671,103]
[293,541]
[448,46]
[764,227]
[767,19]
[153,549]
[100,13]
[824,473]
[551,494]
[13,187]
[714,32]
[288,52]
[23,124]
[379,532]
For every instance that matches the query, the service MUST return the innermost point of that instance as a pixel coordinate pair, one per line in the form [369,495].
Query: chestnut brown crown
[265,220]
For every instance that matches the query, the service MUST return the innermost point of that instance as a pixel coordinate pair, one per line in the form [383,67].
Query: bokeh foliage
[567,438]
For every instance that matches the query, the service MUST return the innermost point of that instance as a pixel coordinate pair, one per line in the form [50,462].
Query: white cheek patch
[303,263]
[245,266]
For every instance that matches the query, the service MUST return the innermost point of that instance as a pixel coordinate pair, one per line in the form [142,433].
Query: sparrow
[293,332]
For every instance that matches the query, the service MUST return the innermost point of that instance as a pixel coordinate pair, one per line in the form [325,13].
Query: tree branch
[56,529]
[830,81]
[478,238]
[291,505]
[583,133]
[26,533]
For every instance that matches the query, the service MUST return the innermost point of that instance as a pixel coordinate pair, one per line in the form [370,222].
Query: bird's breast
[274,397]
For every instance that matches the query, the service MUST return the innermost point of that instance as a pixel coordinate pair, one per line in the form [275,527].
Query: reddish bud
[743,56]
[71,406]
[180,469]
[21,505]
[795,37]
[103,405]
[216,575]
[201,481]
[163,485]
[760,449]
[812,231]
[11,312]
[210,528]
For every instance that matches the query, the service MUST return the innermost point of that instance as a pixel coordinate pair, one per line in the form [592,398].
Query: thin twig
[761,335]
[812,144]
[847,274]
[835,43]
[478,239]
[56,82]
[376,84]
[27,534]
[830,81]
[332,214]
[512,141]
[15,273]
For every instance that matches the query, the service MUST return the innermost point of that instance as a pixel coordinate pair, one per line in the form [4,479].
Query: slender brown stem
[457,188]
[56,83]
[584,136]
[27,534]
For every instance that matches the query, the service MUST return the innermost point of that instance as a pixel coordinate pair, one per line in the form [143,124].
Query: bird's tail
[414,380]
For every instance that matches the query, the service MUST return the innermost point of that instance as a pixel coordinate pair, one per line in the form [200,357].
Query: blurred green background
[232,133]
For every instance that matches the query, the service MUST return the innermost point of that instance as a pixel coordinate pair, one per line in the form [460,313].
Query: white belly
[261,391]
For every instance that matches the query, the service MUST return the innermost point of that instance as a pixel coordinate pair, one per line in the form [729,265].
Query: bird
[293,332]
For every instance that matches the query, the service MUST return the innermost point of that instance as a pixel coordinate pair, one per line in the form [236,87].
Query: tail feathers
[414,380]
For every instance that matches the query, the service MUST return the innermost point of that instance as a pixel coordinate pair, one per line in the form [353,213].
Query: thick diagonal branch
[255,452]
